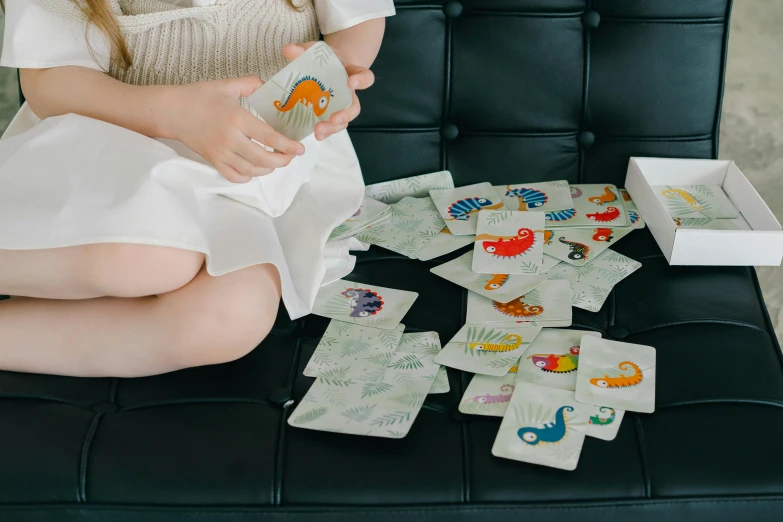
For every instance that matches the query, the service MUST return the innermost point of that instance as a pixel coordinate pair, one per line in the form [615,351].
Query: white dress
[73,180]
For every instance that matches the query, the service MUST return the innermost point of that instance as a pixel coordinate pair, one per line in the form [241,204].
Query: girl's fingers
[256,155]
[231,174]
[359,77]
[346,116]
[256,129]
[245,168]
[294,51]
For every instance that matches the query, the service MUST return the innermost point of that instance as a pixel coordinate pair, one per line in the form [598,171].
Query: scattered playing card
[386,408]
[370,212]
[547,303]
[414,222]
[444,243]
[487,395]
[459,206]
[363,304]
[357,351]
[546,196]
[498,287]
[605,422]
[579,246]
[594,205]
[713,224]
[485,348]
[549,262]
[509,242]
[617,375]
[416,186]
[592,283]
[543,426]
[553,358]
[308,90]
[634,216]
[695,201]
[426,343]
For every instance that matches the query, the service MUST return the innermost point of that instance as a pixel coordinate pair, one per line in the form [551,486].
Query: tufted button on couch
[493,90]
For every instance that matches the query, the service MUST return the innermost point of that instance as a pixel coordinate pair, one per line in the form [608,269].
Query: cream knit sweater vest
[171,45]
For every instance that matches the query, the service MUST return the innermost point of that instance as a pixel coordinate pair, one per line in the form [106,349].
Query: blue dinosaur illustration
[551,433]
[528,198]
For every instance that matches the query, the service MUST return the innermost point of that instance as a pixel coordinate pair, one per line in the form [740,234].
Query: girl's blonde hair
[99,14]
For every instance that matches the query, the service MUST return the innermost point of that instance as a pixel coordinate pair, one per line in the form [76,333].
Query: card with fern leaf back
[443,243]
[380,408]
[591,284]
[415,186]
[486,349]
[426,343]
[363,304]
[360,350]
[509,243]
[370,213]
[552,359]
[544,426]
[498,287]
[617,375]
[413,223]
[696,201]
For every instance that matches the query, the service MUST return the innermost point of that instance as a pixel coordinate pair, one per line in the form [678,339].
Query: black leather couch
[493,90]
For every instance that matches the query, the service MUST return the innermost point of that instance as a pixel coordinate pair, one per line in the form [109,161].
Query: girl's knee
[129,270]
[230,318]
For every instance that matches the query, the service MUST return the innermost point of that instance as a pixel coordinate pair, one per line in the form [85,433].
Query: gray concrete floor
[752,126]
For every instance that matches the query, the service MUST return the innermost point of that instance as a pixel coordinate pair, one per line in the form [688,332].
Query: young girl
[141,230]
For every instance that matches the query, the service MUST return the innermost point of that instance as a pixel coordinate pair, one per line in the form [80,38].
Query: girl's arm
[357,47]
[204,116]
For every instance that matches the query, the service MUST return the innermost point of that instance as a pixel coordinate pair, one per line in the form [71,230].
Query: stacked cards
[566,385]
[369,381]
[700,206]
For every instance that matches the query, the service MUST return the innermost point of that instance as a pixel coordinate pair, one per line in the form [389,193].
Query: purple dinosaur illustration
[504,396]
[364,301]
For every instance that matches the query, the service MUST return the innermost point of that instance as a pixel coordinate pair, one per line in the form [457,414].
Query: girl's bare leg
[208,321]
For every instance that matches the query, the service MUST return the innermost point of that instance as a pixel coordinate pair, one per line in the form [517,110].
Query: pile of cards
[700,206]
[552,390]
[369,381]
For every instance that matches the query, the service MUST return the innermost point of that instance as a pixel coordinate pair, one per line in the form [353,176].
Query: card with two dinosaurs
[308,90]
[488,349]
[580,246]
[363,304]
[426,343]
[414,186]
[592,283]
[544,426]
[509,242]
[547,305]
[355,351]
[387,408]
[498,287]
[696,201]
[414,222]
[459,206]
[616,375]
[593,206]
[545,196]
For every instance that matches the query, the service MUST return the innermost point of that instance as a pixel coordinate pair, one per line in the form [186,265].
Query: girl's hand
[359,78]
[207,117]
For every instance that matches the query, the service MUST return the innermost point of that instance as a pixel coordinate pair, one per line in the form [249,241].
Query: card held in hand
[306,91]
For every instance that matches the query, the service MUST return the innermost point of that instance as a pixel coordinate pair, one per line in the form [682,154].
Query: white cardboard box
[762,246]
